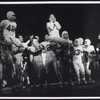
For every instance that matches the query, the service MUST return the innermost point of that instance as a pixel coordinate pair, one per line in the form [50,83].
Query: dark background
[80,20]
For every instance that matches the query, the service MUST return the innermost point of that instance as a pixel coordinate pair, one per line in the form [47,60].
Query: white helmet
[87,42]
[11,15]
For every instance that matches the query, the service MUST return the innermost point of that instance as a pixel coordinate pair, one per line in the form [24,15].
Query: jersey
[47,48]
[88,51]
[89,48]
[46,45]
[77,54]
[50,55]
[53,29]
[98,47]
[8,28]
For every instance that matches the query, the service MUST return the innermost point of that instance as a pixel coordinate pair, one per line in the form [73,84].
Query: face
[81,41]
[13,17]
[46,37]
[65,35]
[99,37]
[76,43]
[85,43]
[37,38]
[21,38]
[52,18]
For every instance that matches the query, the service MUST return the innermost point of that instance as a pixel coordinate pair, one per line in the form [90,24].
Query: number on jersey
[11,28]
[48,47]
[77,52]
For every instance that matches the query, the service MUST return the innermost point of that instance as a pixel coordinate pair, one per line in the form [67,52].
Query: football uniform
[88,57]
[50,60]
[47,54]
[9,32]
[77,62]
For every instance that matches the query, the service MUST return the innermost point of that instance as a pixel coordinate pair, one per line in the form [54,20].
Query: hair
[19,35]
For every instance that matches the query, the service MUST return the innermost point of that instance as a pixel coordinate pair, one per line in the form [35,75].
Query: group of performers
[56,52]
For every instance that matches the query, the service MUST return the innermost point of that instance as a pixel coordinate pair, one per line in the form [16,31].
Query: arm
[50,26]
[57,25]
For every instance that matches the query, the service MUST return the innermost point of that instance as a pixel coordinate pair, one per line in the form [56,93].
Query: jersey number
[48,48]
[77,52]
[11,28]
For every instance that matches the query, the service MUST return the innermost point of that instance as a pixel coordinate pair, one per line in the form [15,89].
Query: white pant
[86,65]
[79,68]
[12,40]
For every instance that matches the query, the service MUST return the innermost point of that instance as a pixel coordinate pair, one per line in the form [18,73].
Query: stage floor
[55,91]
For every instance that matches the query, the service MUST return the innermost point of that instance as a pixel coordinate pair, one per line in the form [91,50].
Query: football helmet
[11,15]
[87,42]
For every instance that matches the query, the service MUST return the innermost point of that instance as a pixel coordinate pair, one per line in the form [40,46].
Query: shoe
[41,87]
[47,87]
[79,83]
[91,82]
[71,84]
[28,85]
[15,90]
[34,87]
[84,82]
[4,83]
[61,85]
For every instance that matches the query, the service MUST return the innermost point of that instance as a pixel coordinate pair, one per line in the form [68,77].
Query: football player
[18,55]
[98,58]
[67,57]
[77,61]
[8,28]
[49,59]
[53,28]
[88,50]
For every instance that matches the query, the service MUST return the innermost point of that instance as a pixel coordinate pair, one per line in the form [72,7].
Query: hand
[31,37]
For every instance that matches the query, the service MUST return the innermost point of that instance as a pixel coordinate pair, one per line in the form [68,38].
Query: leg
[82,70]
[1,75]
[57,71]
[76,67]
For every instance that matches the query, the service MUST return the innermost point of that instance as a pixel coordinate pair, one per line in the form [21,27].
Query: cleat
[84,82]
[91,82]
[79,83]
[61,84]
[71,84]
[14,90]
[47,88]
[28,85]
